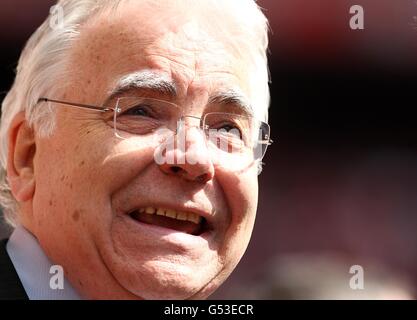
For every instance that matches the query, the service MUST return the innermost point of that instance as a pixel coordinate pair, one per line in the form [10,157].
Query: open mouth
[188,222]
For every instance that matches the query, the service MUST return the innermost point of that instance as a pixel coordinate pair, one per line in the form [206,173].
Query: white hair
[42,66]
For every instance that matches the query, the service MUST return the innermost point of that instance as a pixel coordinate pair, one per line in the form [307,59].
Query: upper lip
[206,213]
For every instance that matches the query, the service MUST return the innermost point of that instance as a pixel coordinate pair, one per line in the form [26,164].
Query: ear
[20,159]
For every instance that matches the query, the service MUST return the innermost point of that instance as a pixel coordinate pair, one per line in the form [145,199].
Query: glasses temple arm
[79,105]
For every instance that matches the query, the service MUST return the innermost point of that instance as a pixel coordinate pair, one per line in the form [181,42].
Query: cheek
[241,191]
[64,190]
[78,178]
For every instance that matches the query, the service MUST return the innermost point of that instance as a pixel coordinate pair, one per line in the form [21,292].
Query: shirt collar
[33,268]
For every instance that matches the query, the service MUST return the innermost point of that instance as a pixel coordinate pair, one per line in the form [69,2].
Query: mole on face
[76,215]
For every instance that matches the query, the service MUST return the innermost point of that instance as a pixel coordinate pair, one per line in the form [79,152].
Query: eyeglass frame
[268,141]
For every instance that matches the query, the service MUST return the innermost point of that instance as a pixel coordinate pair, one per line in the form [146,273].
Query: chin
[176,283]
[160,264]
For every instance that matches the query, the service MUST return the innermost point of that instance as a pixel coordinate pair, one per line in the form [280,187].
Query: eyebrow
[232,97]
[163,84]
[145,79]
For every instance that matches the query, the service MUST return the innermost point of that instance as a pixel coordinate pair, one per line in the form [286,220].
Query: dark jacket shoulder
[10,286]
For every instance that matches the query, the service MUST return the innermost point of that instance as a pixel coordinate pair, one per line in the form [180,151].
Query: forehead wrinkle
[184,53]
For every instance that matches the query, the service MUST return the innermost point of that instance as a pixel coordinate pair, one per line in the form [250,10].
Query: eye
[229,128]
[232,130]
[139,110]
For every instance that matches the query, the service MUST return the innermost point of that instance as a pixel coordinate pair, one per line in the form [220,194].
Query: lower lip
[170,235]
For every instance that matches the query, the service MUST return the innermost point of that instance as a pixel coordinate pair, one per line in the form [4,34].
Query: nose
[187,156]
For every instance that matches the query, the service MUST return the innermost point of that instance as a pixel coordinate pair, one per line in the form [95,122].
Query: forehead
[185,47]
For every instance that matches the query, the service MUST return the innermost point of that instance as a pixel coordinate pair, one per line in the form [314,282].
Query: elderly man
[131,142]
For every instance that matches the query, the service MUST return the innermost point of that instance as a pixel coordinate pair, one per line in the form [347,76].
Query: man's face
[88,181]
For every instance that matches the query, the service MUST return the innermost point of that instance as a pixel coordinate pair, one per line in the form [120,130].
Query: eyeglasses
[232,136]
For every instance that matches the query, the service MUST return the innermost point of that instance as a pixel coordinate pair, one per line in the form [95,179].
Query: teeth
[193,218]
[149,210]
[179,215]
[182,216]
[171,214]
